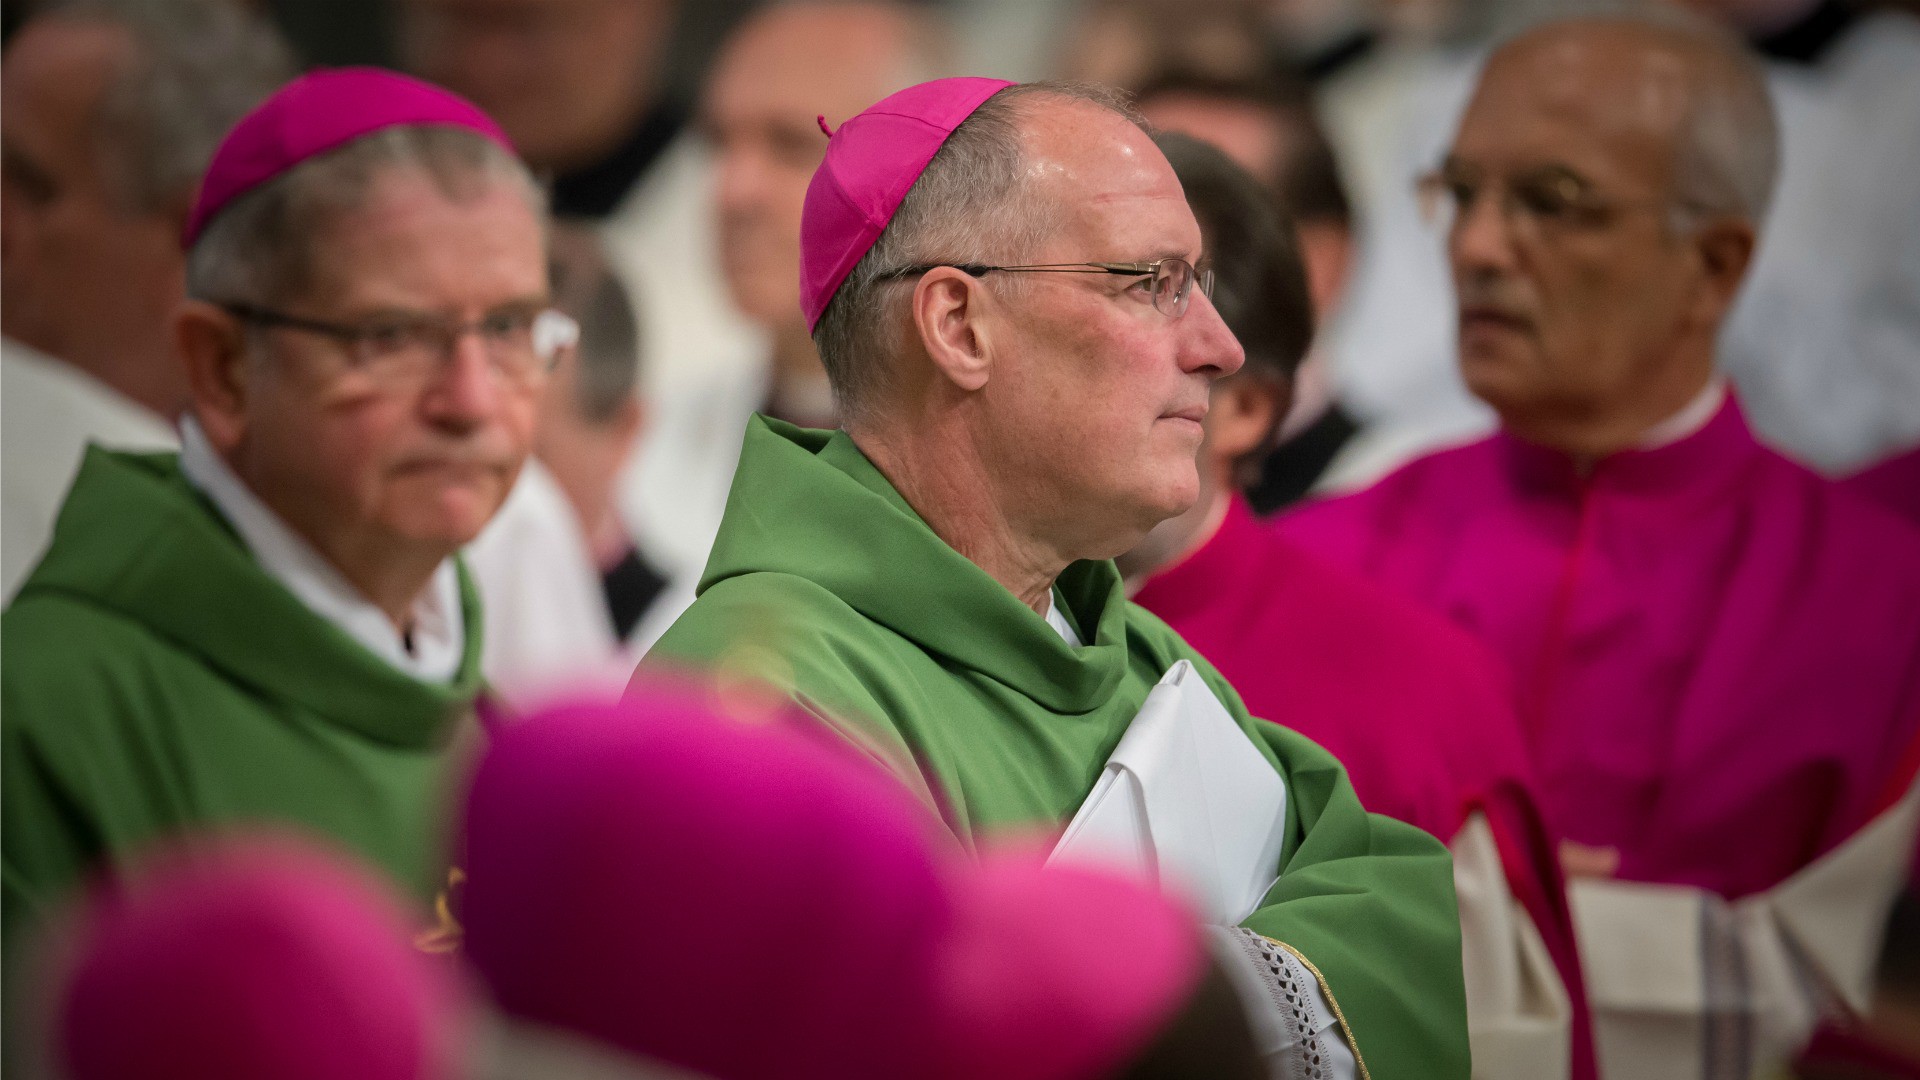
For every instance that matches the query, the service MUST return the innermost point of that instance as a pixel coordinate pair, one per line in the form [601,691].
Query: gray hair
[259,248]
[973,203]
[1727,157]
[198,67]
[1729,160]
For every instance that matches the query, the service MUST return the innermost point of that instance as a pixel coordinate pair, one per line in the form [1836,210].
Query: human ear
[949,315]
[1725,247]
[1244,412]
[211,343]
[624,427]
[1326,250]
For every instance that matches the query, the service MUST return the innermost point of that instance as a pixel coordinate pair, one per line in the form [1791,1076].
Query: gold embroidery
[1346,1028]
[447,933]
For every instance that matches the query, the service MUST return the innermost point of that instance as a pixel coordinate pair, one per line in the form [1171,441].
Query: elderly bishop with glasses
[1002,283]
[271,626]
[1716,652]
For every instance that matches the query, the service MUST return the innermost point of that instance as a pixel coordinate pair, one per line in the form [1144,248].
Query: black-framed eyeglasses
[522,342]
[1172,280]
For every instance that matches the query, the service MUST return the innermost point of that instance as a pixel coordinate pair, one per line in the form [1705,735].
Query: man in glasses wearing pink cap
[1002,284]
[270,625]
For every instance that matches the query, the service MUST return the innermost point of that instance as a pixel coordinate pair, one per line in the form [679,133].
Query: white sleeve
[1294,1026]
[1686,986]
[1519,1015]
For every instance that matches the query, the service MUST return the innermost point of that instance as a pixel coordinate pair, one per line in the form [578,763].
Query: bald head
[1609,176]
[1684,85]
[785,66]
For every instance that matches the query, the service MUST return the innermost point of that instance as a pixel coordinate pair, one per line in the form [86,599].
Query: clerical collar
[1693,416]
[597,190]
[438,638]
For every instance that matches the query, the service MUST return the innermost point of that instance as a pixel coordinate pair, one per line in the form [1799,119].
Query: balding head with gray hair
[970,205]
[1605,194]
[1726,155]
[113,109]
[196,67]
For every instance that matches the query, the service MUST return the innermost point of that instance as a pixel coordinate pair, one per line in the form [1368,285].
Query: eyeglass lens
[520,344]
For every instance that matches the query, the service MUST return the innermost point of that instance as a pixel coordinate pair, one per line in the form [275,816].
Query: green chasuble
[824,583]
[157,680]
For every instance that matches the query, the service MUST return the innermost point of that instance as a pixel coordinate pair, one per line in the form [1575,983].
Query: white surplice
[49,412]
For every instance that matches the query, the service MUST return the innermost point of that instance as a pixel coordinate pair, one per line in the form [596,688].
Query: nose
[1481,239]
[1208,347]
[466,390]
[741,179]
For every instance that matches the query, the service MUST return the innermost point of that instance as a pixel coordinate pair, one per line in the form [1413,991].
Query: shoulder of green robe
[61,648]
[76,679]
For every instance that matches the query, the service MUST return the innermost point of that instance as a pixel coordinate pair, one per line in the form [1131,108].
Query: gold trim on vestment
[1346,1028]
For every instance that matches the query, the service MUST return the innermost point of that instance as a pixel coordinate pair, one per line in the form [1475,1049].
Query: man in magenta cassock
[1717,652]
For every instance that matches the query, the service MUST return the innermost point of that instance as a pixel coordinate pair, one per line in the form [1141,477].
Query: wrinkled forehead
[1113,193]
[398,232]
[1610,97]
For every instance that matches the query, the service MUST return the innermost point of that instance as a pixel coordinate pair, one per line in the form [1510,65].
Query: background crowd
[1656,686]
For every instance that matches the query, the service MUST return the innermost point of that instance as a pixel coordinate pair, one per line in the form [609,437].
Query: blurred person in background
[780,72]
[570,603]
[576,84]
[271,625]
[1822,340]
[108,114]
[579,85]
[1127,42]
[933,580]
[1269,128]
[1419,712]
[1714,647]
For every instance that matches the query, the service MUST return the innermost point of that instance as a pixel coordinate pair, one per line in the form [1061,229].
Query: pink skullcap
[1062,972]
[253,959]
[732,899]
[871,162]
[753,901]
[316,113]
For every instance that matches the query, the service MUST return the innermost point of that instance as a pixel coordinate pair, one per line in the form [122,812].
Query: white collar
[1692,416]
[1056,619]
[439,633]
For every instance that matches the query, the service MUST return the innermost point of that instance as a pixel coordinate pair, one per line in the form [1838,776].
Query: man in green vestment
[1002,284]
[270,628]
